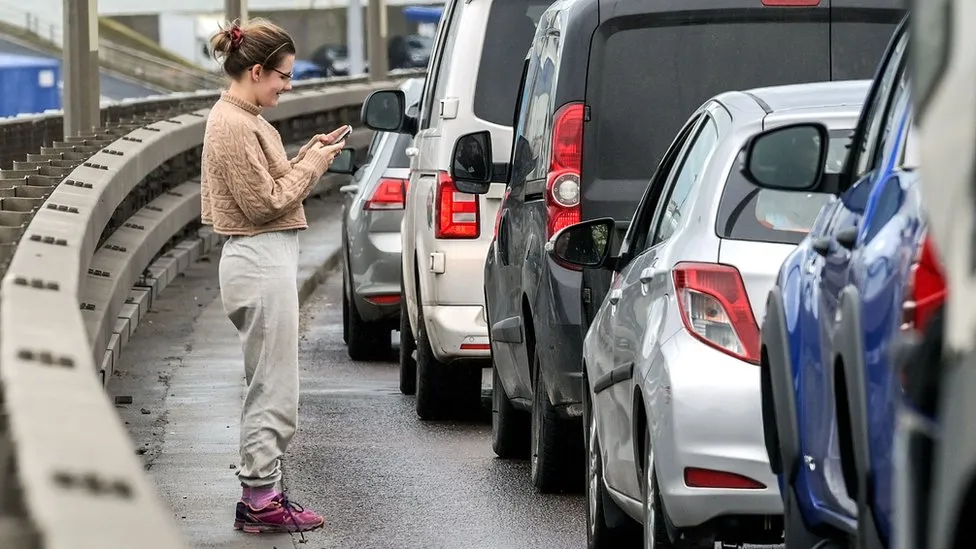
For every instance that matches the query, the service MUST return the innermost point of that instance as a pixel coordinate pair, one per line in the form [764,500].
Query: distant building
[183,26]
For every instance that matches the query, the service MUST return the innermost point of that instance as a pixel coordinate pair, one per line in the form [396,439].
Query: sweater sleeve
[301,153]
[262,197]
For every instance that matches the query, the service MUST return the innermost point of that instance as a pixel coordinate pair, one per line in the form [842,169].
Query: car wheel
[408,366]
[557,444]
[607,527]
[655,529]
[443,391]
[510,435]
[366,340]
[345,312]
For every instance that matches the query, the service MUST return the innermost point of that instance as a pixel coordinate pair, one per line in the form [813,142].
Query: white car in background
[472,86]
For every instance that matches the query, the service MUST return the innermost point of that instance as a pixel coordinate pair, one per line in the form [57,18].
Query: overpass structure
[99,211]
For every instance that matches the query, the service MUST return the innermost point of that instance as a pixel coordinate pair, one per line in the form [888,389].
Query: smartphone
[344,134]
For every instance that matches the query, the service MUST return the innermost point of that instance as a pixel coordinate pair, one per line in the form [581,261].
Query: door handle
[647,275]
[615,296]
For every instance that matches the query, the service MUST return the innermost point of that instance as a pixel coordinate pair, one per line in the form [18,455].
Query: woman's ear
[256,73]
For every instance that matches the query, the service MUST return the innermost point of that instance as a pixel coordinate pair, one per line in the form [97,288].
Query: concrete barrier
[76,286]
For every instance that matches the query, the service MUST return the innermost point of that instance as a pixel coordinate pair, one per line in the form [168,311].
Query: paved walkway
[186,382]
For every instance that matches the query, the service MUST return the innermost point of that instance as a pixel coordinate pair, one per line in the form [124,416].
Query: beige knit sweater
[248,185]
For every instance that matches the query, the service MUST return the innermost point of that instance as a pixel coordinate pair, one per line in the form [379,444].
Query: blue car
[859,279]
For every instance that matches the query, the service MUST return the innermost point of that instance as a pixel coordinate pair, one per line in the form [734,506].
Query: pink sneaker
[279,516]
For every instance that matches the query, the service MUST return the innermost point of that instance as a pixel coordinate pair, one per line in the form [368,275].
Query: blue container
[28,84]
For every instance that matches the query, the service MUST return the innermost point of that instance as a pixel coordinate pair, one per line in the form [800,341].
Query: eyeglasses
[287,75]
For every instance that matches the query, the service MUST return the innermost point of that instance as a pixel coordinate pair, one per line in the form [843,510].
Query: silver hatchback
[372,214]
[671,401]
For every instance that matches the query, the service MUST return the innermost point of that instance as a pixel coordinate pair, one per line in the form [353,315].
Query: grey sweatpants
[259,289]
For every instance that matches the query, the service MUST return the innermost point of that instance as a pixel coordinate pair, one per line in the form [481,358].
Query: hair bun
[236,35]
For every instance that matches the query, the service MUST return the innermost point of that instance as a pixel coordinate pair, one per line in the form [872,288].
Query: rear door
[653,63]
[509,33]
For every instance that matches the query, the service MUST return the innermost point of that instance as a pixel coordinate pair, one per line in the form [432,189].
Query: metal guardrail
[81,222]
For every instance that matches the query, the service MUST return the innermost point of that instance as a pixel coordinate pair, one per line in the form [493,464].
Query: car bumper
[457,332]
[374,265]
[709,418]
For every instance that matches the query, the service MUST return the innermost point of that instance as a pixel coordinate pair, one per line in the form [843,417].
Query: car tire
[345,312]
[607,526]
[443,391]
[557,444]
[365,340]
[408,366]
[510,427]
[655,527]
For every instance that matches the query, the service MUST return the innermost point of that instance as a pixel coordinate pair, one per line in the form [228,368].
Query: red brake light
[567,138]
[708,478]
[791,3]
[387,299]
[715,308]
[925,290]
[563,182]
[389,194]
[457,214]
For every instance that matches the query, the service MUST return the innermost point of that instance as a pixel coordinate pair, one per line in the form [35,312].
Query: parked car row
[687,239]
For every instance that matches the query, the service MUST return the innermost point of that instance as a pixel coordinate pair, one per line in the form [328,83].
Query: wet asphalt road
[386,479]
[382,478]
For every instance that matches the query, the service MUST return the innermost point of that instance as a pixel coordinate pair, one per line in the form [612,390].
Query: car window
[374,143]
[538,117]
[746,212]
[640,225]
[443,46]
[865,152]
[889,130]
[510,29]
[399,158]
[689,173]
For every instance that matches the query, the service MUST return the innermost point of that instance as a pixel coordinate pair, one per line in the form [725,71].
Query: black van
[606,85]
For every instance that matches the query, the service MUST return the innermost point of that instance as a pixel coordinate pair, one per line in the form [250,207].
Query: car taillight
[715,308]
[456,213]
[925,289]
[389,194]
[563,181]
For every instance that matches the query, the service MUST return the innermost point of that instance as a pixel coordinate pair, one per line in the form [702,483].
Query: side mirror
[787,158]
[385,111]
[344,162]
[471,166]
[585,244]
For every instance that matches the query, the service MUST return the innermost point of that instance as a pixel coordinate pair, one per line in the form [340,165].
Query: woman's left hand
[330,138]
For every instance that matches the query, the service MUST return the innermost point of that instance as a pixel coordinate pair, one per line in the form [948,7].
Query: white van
[472,85]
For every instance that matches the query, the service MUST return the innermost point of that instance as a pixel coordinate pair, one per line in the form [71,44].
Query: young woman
[252,192]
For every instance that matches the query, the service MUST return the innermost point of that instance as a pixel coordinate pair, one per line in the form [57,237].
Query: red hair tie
[236,36]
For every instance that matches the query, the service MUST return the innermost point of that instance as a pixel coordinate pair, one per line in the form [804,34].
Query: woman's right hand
[330,152]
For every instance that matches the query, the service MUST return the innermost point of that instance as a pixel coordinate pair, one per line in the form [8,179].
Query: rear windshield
[647,89]
[747,212]
[399,159]
[511,27]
